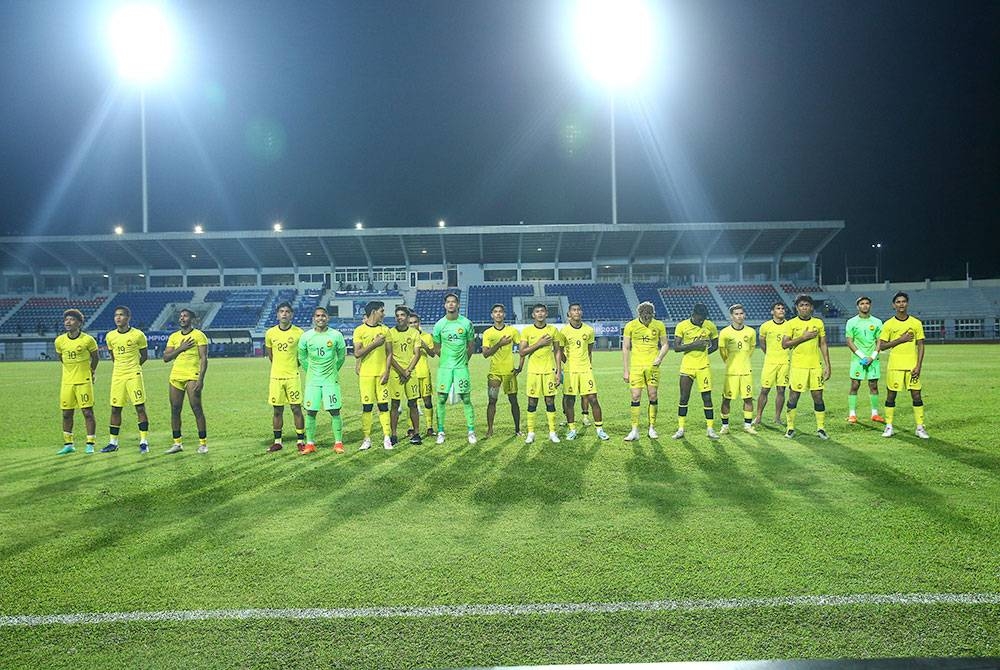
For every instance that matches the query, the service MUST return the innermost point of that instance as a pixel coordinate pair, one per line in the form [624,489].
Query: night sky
[883,114]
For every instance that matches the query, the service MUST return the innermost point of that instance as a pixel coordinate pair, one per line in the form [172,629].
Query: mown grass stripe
[893,599]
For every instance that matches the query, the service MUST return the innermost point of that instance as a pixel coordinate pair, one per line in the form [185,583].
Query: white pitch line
[505,610]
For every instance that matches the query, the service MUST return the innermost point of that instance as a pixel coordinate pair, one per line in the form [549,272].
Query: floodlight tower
[143,43]
[614,40]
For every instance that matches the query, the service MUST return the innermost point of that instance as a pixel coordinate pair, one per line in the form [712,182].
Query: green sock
[470,415]
[310,428]
[442,403]
[873,398]
[338,428]
[852,403]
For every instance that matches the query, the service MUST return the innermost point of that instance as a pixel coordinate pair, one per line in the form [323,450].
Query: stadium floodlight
[615,41]
[441,223]
[877,246]
[119,230]
[423,251]
[358,226]
[198,229]
[142,40]
[278,227]
[309,253]
[194,255]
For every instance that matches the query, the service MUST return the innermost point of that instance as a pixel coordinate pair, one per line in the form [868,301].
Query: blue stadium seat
[241,308]
[756,299]
[46,314]
[145,306]
[429,304]
[482,297]
[600,302]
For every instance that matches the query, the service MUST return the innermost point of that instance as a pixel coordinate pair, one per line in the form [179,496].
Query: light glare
[119,230]
[143,42]
[614,40]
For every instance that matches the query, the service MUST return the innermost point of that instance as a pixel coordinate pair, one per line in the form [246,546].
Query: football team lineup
[393,373]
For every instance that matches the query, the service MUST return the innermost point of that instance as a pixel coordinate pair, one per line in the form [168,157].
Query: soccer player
[806,337]
[372,362]
[281,346]
[862,333]
[644,344]
[321,353]
[188,349]
[498,341]
[736,344]
[903,336]
[454,339]
[129,351]
[576,341]
[403,384]
[423,372]
[540,345]
[775,373]
[696,337]
[78,353]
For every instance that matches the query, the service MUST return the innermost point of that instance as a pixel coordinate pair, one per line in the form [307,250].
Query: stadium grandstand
[234,281]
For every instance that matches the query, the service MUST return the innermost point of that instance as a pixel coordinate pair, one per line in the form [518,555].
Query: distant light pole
[615,44]
[877,246]
[143,43]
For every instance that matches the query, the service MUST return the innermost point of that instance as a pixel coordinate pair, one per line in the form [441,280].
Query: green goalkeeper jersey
[454,336]
[321,355]
[864,332]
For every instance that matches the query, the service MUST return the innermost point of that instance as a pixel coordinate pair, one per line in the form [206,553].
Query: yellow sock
[890,414]
[790,419]
[551,417]
[430,417]
[820,420]
[91,439]
[710,423]
[747,416]
[202,441]
[918,414]
[67,438]
[531,422]
[681,420]
[652,415]
[142,435]
[572,425]
[635,416]
[366,424]
[383,420]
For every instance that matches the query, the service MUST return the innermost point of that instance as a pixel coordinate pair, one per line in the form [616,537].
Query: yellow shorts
[398,390]
[902,380]
[583,383]
[507,382]
[181,384]
[76,396]
[372,390]
[541,385]
[774,374]
[640,378]
[283,391]
[702,379]
[805,379]
[738,386]
[130,389]
[425,386]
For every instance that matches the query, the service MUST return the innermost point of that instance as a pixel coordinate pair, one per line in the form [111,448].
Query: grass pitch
[501,522]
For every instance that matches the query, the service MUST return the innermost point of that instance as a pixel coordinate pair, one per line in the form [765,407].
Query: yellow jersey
[75,355]
[373,364]
[738,346]
[576,342]
[502,360]
[687,332]
[284,346]
[541,360]
[187,365]
[645,341]
[773,334]
[423,369]
[902,356]
[806,354]
[126,348]
[404,345]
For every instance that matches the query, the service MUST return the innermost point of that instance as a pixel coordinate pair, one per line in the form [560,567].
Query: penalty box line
[896,599]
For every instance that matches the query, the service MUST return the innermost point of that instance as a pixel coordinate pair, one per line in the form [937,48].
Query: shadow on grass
[889,482]
[726,481]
